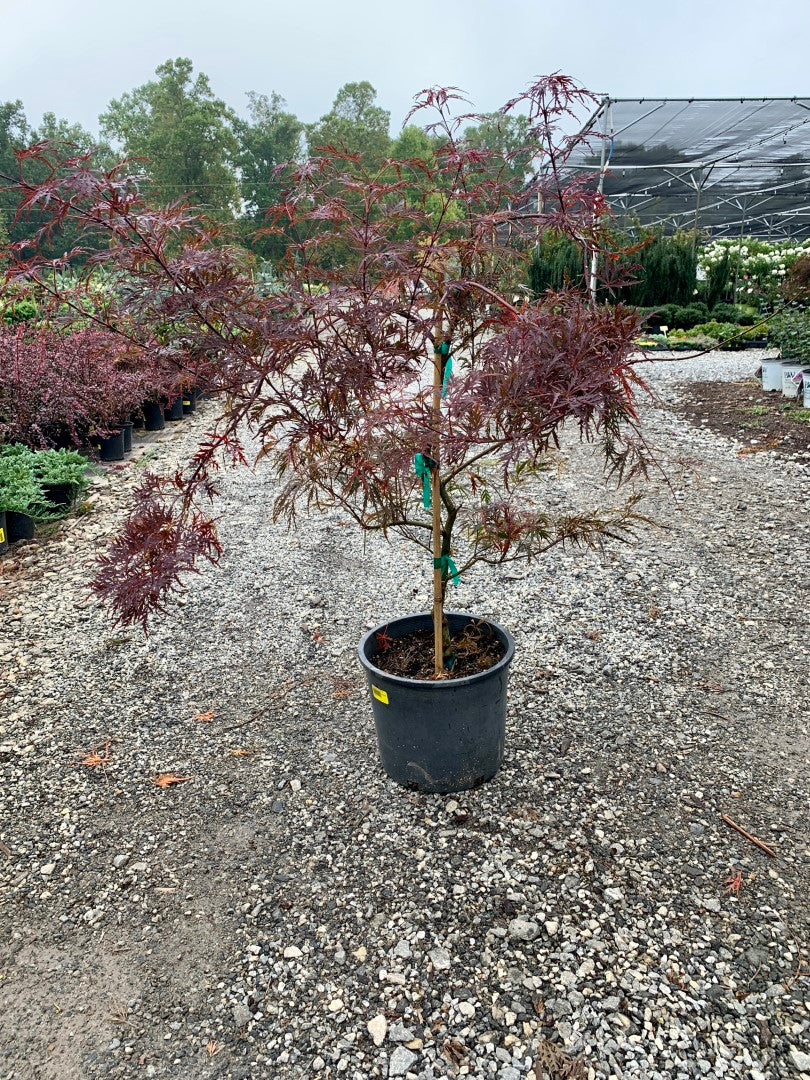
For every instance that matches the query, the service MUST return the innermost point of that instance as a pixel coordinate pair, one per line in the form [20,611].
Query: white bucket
[772,374]
[790,384]
[806,388]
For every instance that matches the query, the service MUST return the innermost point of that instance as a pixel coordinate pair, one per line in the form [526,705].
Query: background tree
[268,139]
[66,140]
[184,133]
[507,137]
[355,123]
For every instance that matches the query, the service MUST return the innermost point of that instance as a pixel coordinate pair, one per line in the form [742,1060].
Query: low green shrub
[26,474]
[685,318]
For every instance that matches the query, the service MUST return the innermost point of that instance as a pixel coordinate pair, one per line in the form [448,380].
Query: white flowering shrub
[760,265]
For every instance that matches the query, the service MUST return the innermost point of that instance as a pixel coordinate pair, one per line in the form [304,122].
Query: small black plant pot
[440,736]
[153,416]
[3,532]
[61,496]
[19,526]
[126,429]
[189,402]
[174,410]
[111,448]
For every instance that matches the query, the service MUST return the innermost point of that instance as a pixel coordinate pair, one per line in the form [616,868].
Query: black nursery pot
[126,429]
[189,402]
[153,419]
[174,410]
[61,495]
[3,532]
[111,448]
[440,736]
[19,526]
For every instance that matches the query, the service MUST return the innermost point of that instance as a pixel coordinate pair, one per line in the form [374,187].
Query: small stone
[552,926]
[318,1064]
[614,896]
[241,1016]
[799,1060]
[47,869]
[360,954]
[377,1029]
[120,860]
[440,958]
[335,1005]
[523,929]
[467,1009]
[399,1033]
[400,1061]
[402,949]
[295,785]
[292,952]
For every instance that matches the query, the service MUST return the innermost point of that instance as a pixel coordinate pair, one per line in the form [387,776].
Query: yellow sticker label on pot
[379,694]
[2,537]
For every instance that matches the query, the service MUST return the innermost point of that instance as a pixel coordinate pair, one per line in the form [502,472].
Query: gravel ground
[288,912]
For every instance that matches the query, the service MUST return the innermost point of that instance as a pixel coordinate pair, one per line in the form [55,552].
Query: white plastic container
[772,374]
[790,384]
[806,388]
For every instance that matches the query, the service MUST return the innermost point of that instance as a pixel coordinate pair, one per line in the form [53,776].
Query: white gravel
[288,912]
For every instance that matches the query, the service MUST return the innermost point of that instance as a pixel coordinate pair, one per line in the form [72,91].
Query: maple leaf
[205,717]
[734,881]
[166,779]
[94,759]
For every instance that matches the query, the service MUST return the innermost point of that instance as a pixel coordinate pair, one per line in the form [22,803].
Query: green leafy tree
[267,140]
[507,137]
[14,135]
[355,123]
[67,140]
[185,134]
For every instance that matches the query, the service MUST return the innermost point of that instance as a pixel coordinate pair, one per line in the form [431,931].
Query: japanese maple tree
[338,373]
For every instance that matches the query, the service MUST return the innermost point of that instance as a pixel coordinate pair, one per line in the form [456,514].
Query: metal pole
[739,248]
[599,189]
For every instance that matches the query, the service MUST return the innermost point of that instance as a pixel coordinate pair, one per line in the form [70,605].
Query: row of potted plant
[81,388]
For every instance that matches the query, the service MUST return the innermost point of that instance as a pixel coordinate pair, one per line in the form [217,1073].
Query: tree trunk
[436,503]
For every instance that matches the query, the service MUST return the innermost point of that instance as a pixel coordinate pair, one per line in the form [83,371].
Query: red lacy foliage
[157,544]
[333,369]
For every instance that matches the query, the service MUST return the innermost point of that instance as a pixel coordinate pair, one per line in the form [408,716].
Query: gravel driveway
[288,912]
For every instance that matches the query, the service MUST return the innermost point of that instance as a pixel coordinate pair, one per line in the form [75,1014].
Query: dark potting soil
[744,411]
[472,650]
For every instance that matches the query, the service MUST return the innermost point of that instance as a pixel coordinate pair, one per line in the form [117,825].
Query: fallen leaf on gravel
[94,758]
[166,779]
[241,751]
[213,1047]
[734,881]
[5,850]
[454,1051]
[205,717]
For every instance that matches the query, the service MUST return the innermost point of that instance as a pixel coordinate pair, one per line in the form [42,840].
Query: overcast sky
[72,58]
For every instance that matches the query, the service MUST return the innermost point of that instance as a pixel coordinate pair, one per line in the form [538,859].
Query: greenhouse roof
[731,165]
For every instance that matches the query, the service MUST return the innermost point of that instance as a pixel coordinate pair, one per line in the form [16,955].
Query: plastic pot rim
[424,684]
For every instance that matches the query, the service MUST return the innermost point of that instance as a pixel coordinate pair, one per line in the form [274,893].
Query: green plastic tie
[448,371]
[423,470]
[447,567]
